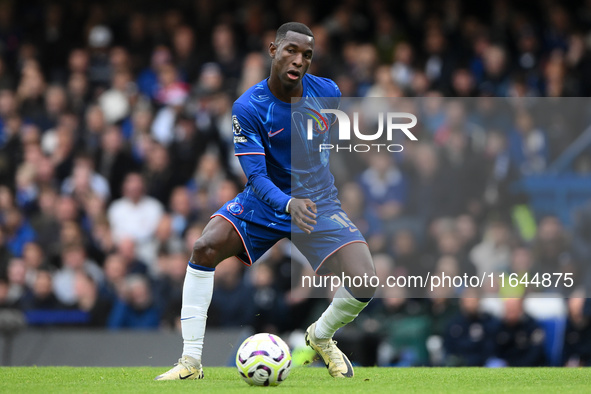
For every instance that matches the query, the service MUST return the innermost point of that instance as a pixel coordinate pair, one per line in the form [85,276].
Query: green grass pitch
[302,380]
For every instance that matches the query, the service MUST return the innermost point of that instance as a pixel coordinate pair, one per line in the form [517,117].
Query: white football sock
[342,311]
[197,292]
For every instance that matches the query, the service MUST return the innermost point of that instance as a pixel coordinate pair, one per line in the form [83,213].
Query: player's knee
[365,270]
[365,283]
[204,253]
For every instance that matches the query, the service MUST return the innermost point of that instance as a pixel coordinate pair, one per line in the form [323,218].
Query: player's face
[292,57]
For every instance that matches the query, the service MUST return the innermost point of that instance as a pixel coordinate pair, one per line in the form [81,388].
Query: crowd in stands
[116,147]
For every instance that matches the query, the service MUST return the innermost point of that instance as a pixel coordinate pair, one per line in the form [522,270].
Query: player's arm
[303,211]
[251,153]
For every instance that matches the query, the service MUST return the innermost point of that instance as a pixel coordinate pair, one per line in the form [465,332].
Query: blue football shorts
[260,227]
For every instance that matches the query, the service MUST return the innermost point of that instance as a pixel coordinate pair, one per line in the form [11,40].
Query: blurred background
[116,146]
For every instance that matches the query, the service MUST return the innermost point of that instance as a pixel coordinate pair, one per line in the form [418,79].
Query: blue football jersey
[264,125]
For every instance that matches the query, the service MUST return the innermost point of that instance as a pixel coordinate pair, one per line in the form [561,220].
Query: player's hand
[303,213]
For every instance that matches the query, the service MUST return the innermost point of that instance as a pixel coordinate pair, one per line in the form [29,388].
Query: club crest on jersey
[238,137]
[235,208]
[321,124]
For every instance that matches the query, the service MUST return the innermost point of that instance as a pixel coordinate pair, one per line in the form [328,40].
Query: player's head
[513,310]
[291,52]
[295,27]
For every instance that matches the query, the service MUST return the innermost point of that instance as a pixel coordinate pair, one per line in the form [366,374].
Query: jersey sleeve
[255,168]
[249,148]
[334,102]
[247,139]
[337,96]
[337,91]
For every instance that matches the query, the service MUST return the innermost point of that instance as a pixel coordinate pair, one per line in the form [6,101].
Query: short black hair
[292,26]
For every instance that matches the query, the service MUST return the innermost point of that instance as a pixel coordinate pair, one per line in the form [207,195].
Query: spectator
[402,70]
[226,53]
[493,253]
[84,181]
[495,81]
[45,222]
[468,232]
[440,62]
[186,56]
[190,144]
[501,173]
[271,311]
[126,249]
[55,105]
[577,336]
[233,297]
[168,287]
[26,187]
[551,247]
[115,102]
[17,231]
[527,145]
[385,187]
[34,259]
[519,341]
[463,175]
[166,239]
[99,70]
[138,40]
[115,273]
[159,176]
[353,203]
[147,79]
[171,95]
[17,276]
[89,300]
[427,190]
[136,216]
[78,90]
[74,260]
[5,255]
[136,309]
[405,326]
[469,336]
[182,213]
[101,239]
[41,295]
[113,161]
[207,180]
[404,248]
[30,92]
[5,301]
[140,138]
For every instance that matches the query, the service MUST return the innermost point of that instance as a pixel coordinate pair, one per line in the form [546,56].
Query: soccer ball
[263,360]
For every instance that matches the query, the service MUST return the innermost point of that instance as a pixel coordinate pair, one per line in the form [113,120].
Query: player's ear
[272,50]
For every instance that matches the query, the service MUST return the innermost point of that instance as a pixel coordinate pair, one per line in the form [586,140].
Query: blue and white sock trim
[200,267]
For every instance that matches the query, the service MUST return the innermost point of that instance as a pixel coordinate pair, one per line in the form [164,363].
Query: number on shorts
[342,218]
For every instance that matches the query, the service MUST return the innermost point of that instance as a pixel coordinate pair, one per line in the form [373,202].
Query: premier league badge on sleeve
[238,137]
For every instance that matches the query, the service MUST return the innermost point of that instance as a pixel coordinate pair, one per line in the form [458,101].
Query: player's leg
[218,242]
[352,260]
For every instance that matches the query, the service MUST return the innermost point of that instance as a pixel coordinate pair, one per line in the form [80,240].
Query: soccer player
[280,192]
